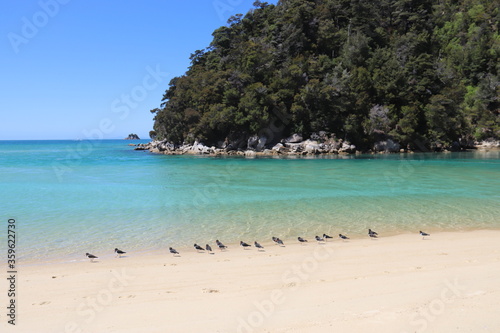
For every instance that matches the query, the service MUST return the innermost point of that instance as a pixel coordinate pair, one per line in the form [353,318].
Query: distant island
[370,76]
[132,136]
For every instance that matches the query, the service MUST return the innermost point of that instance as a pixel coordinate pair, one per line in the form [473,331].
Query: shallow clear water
[72,197]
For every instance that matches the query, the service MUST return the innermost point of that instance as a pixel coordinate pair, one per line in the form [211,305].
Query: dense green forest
[421,72]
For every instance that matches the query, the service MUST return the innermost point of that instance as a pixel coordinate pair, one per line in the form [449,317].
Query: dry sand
[448,283]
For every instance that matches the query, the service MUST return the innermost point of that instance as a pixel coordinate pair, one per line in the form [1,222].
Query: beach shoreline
[163,250]
[399,284]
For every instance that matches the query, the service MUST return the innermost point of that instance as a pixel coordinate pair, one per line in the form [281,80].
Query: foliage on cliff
[418,71]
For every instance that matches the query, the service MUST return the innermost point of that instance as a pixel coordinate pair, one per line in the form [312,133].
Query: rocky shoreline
[295,145]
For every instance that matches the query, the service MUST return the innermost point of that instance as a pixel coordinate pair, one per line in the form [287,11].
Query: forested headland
[422,73]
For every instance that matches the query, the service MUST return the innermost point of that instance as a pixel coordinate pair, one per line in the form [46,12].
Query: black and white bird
[423,234]
[173,251]
[319,239]
[208,248]
[198,248]
[257,245]
[221,246]
[278,241]
[245,245]
[344,237]
[119,253]
[91,256]
[302,240]
[372,233]
[325,236]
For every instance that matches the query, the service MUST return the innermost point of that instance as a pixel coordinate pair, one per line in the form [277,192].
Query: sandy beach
[446,283]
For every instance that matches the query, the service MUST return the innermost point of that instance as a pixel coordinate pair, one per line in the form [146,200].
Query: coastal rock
[252,142]
[222,144]
[314,136]
[321,136]
[387,146]
[311,147]
[295,147]
[437,146]
[236,144]
[347,148]
[254,146]
[294,138]
[277,147]
[250,153]
[262,143]
[487,144]
[165,146]
[334,146]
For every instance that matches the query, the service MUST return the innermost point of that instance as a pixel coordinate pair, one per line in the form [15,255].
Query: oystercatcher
[220,245]
[280,242]
[423,234]
[119,253]
[198,248]
[245,245]
[371,232]
[257,245]
[319,239]
[91,256]
[173,251]
[302,240]
[325,236]
[209,249]
[343,236]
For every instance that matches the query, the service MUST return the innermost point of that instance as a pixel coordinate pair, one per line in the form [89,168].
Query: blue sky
[73,69]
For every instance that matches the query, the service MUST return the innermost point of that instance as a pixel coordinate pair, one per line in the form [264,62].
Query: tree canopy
[421,71]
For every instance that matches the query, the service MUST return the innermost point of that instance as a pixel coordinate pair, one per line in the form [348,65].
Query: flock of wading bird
[276,240]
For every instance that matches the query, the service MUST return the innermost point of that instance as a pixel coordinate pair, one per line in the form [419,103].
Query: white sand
[448,283]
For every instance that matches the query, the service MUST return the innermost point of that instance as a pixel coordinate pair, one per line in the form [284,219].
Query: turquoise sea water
[72,197]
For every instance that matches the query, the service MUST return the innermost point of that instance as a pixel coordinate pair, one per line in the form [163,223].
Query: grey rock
[347,148]
[250,153]
[277,147]
[311,148]
[252,142]
[294,138]
[262,143]
[388,146]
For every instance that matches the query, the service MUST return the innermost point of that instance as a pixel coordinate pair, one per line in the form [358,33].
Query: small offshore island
[132,136]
